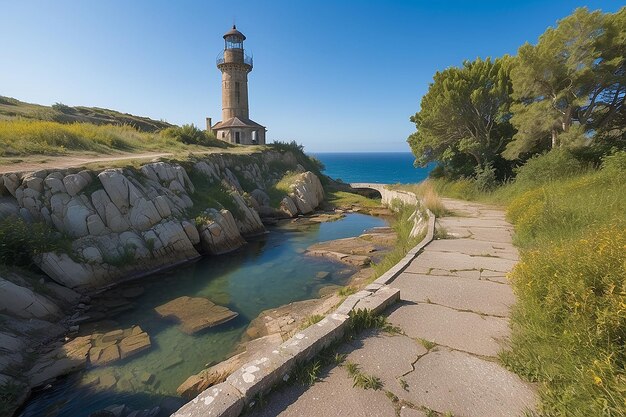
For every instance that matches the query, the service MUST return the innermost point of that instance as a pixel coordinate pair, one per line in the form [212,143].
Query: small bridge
[388,195]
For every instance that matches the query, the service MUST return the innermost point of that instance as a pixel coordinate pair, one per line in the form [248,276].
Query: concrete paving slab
[332,396]
[474,247]
[456,382]
[469,332]
[459,261]
[379,301]
[471,222]
[462,294]
[409,412]
[373,351]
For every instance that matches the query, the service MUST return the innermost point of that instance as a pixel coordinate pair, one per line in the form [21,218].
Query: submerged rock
[195,314]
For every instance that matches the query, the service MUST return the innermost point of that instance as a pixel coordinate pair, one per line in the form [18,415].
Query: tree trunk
[555,142]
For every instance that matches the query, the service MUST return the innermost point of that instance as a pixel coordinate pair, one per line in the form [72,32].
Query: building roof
[234,32]
[235,122]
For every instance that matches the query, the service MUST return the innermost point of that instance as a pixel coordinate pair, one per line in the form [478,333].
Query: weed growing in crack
[427,343]
[311,320]
[308,373]
[362,380]
[362,319]
[404,384]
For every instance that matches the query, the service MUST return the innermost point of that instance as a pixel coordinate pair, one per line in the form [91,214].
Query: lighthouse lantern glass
[234,42]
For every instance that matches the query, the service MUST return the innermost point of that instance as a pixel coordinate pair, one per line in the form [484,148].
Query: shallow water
[269,272]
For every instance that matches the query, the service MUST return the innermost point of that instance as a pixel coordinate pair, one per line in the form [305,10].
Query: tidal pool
[268,272]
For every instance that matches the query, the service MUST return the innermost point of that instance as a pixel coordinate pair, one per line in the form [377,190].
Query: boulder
[195,314]
[55,185]
[134,344]
[143,214]
[23,302]
[248,220]
[11,182]
[34,183]
[288,207]
[75,221]
[219,232]
[116,186]
[261,197]
[75,183]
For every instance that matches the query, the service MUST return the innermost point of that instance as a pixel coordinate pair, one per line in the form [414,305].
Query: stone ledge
[222,400]
[229,398]
[379,301]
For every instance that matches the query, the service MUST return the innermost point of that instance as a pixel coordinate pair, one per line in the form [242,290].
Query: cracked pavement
[453,313]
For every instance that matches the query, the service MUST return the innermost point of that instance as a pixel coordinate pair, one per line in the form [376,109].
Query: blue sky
[332,75]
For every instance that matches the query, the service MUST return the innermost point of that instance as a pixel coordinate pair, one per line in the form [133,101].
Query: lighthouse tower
[235,64]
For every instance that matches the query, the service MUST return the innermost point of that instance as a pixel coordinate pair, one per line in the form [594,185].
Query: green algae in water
[269,272]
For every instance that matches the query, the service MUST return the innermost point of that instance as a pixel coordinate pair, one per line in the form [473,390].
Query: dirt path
[454,309]
[70,161]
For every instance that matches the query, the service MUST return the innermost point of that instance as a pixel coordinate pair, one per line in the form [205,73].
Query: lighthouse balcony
[232,58]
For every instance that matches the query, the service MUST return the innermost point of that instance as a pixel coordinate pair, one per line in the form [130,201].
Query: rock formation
[120,223]
[125,222]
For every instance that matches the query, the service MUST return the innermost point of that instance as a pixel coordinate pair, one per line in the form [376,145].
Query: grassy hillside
[30,129]
[11,109]
[569,325]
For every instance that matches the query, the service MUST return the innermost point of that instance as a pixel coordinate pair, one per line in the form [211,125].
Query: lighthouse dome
[234,33]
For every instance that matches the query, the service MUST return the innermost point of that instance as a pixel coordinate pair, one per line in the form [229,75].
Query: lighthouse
[236,125]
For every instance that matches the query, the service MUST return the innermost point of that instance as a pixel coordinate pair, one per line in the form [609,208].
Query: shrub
[485,177]
[191,135]
[292,146]
[614,166]
[65,109]
[20,241]
[551,166]
[570,322]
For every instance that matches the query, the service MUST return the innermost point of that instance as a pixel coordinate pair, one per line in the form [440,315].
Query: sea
[383,167]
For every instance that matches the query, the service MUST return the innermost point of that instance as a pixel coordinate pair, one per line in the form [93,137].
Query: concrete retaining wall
[260,375]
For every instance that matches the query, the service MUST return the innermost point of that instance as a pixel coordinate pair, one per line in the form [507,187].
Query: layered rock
[125,222]
[195,314]
[306,194]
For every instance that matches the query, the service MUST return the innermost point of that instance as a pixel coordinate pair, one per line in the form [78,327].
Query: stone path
[454,309]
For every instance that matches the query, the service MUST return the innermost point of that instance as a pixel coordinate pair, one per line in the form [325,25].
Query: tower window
[237,140]
[237,91]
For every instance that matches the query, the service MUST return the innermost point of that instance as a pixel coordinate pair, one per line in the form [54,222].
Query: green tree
[570,84]
[464,118]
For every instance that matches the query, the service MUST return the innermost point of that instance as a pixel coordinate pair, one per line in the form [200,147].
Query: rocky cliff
[113,224]
[127,221]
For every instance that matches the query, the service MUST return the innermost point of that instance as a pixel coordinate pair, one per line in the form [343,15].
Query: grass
[404,243]
[347,291]
[208,194]
[428,345]
[361,379]
[311,320]
[24,137]
[282,188]
[21,241]
[344,199]
[569,323]
[428,196]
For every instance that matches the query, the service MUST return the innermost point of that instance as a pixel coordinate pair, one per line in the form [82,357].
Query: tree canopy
[567,90]
[570,86]
[464,120]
